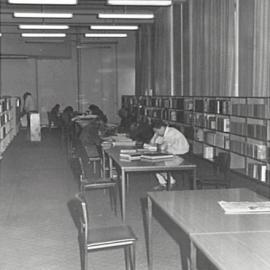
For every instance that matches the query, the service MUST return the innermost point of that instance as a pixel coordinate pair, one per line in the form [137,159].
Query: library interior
[135,134]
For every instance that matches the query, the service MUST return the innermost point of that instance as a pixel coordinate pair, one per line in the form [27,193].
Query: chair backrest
[222,162]
[81,217]
[82,171]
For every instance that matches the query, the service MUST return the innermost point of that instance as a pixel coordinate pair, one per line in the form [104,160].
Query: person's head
[26,94]
[123,113]
[94,109]
[57,107]
[159,128]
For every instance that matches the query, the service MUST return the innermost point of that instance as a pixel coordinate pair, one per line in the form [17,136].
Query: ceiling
[84,14]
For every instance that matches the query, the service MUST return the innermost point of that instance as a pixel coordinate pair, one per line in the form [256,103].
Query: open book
[245,207]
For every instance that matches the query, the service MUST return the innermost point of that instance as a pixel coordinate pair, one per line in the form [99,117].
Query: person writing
[172,141]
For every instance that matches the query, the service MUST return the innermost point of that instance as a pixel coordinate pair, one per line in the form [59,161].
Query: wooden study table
[125,167]
[229,251]
[197,212]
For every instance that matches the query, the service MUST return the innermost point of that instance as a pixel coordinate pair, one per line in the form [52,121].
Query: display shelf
[238,125]
[9,121]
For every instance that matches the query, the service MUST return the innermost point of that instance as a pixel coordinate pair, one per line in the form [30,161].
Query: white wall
[51,76]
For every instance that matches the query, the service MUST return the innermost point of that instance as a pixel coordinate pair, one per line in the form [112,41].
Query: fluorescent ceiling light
[114,27]
[140,2]
[42,15]
[43,34]
[0,34]
[44,2]
[126,15]
[43,26]
[105,35]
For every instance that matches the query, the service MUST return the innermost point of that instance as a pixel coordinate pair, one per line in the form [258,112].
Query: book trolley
[238,125]
[9,121]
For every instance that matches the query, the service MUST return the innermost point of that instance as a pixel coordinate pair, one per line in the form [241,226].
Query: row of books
[5,104]
[4,131]
[259,171]
[5,117]
[258,151]
[237,127]
[257,131]
[253,107]
[238,147]
[258,110]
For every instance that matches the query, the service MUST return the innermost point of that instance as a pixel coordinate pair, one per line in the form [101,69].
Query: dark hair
[158,124]
[26,94]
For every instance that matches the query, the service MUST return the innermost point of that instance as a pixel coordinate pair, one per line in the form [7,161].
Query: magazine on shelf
[245,207]
[156,156]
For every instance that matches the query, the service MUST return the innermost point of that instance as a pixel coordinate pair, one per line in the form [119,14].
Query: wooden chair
[94,159]
[219,178]
[100,238]
[87,184]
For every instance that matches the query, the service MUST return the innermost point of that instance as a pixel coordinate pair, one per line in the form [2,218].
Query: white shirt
[176,142]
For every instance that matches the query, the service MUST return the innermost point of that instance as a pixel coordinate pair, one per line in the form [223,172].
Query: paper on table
[245,207]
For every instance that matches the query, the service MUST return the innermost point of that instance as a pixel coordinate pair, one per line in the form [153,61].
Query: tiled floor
[36,229]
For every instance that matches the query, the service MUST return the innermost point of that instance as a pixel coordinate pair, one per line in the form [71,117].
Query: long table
[197,212]
[228,251]
[125,167]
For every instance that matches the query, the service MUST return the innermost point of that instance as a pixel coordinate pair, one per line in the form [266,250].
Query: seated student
[67,124]
[94,109]
[172,141]
[90,136]
[141,131]
[126,120]
[55,115]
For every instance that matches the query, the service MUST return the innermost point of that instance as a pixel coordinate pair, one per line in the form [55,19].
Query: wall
[50,72]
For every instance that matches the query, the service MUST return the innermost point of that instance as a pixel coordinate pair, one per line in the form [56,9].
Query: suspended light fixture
[140,2]
[43,26]
[44,2]
[42,15]
[99,35]
[125,15]
[43,34]
[114,27]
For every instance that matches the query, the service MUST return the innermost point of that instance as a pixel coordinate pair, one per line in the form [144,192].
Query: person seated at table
[170,140]
[126,120]
[95,110]
[90,136]
[54,116]
[67,124]
[141,131]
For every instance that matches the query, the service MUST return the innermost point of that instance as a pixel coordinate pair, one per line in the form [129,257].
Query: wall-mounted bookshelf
[9,121]
[238,125]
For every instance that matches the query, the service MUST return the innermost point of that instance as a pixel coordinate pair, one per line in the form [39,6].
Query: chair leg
[132,250]
[94,167]
[127,257]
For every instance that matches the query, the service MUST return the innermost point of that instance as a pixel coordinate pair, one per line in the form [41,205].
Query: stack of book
[156,156]
[245,207]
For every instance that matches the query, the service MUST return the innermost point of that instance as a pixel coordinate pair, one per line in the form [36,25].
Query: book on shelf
[245,207]
[208,152]
[156,156]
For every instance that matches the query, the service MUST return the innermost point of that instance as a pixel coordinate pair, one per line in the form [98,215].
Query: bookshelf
[9,121]
[238,125]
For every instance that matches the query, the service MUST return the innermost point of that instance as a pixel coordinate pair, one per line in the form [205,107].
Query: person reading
[170,140]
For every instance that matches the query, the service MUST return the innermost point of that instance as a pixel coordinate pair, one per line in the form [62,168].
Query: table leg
[194,179]
[193,256]
[149,233]
[123,191]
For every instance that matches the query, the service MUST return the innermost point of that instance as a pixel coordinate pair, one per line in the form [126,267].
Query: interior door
[98,79]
